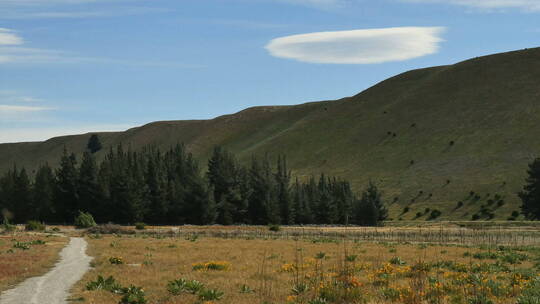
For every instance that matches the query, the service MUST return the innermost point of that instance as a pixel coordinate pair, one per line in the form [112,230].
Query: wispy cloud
[66,14]
[8,37]
[359,46]
[15,97]
[8,109]
[13,51]
[529,5]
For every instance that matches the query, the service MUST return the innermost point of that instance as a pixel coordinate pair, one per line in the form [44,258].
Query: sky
[78,66]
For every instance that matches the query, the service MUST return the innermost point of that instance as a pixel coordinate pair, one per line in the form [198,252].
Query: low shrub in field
[194,286]
[246,289]
[21,245]
[108,284]
[397,261]
[140,226]
[84,220]
[210,295]
[531,295]
[7,226]
[212,265]
[116,261]
[109,229]
[176,287]
[274,228]
[34,226]
[133,295]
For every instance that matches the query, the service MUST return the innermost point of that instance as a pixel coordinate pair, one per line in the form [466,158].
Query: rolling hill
[427,137]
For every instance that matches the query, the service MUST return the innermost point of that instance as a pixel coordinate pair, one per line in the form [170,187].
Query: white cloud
[8,37]
[11,135]
[359,46]
[9,109]
[12,96]
[531,5]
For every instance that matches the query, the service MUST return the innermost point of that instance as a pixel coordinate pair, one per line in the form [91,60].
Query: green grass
[488,107]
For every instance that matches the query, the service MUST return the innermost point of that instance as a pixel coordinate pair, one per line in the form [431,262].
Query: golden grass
[17,265]
[267,266]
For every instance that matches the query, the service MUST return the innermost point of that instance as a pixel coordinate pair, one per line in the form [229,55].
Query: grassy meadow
[184,265]
[24,255]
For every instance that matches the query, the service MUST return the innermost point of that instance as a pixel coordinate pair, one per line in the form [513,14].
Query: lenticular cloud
[366,46]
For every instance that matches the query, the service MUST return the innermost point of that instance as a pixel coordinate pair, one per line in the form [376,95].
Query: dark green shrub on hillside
[34,226]
[140,226]
[274,228]
[434,214]
[84,220]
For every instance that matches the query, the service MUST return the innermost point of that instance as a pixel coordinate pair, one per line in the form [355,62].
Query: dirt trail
[54,286]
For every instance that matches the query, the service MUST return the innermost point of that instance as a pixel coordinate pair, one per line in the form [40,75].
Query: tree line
[168,187]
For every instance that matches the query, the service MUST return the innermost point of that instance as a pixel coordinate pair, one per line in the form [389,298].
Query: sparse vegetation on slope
[444,130]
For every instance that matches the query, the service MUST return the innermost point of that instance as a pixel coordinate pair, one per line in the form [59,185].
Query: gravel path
[54,286]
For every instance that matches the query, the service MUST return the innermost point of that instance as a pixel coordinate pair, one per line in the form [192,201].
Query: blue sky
[76,66]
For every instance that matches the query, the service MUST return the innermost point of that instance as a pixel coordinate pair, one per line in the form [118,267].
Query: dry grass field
[315,271]
[24,255]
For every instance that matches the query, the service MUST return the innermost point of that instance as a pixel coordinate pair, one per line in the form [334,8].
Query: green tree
[94,144]
[43,193]
[89,190]
[530,196]
[65,194]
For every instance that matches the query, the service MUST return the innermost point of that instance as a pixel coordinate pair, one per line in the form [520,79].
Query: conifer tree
[22,208]
[89,191]
[530,195]
[94,144]
[43,193]
[65,196]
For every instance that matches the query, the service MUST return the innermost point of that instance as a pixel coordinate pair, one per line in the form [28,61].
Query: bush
[84,220]
[140,226]
[176,287]
[531,295]
[434,214]
[34,226]
[133,295]
[213,265]
[116,261]
[7,226]
[108,284]
[210,295]
[274,228]
[109,229]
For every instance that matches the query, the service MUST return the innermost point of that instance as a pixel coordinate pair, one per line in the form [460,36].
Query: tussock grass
[275,270]
[17,264]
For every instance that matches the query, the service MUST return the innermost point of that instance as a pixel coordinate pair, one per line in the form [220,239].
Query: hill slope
[472,126]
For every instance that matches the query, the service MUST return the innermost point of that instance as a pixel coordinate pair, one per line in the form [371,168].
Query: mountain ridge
[427,137]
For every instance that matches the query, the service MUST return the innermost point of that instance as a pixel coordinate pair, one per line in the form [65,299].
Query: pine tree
[530,196]
[222,176]
[94,144]
[22,208]
[89,190]
[283,177]
[65,195]
[370,210]
[43,193]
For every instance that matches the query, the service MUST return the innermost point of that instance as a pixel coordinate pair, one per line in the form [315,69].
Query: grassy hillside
[427,137]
